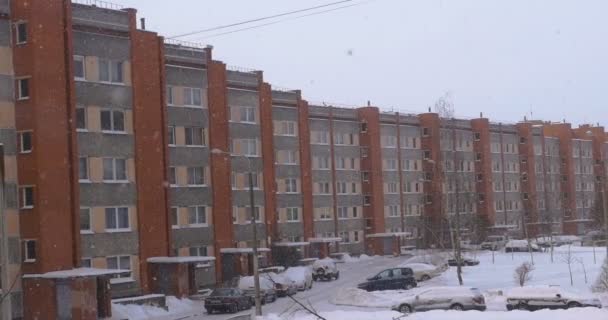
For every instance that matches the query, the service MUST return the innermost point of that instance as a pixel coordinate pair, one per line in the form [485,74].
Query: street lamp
[254,247]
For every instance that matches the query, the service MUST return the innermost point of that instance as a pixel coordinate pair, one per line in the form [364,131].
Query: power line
[284,20]
[259,19]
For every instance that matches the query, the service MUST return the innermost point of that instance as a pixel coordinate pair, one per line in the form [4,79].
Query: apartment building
[128,161]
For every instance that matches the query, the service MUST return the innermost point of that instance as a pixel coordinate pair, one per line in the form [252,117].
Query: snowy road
[319,296]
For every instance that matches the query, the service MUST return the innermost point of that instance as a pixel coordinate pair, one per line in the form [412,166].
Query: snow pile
[578,313]
[181,305]
[361,298]
[348,258]
[135,312]
[248,282]
[419,266]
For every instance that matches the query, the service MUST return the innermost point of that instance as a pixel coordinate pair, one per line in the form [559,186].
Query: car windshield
[222,292]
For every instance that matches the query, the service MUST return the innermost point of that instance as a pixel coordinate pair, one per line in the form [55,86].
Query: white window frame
[246,147]
[288,128]
[86,120]
[173,170]
[291,185]
[21,147]
[198,250]
[198,214]
[170,97]
[172,138]
[20,95]
[291,157]
[202,176]
[22,195]
[121,278]
[325,213]
[117,220]
[26,257]
[88,173]
[247,115]
[90,229]
[18,40]
[111,67]
[193,130]
[113,129]
[80,59]
[342,213]
[292,212]
[190,102]
[114,172]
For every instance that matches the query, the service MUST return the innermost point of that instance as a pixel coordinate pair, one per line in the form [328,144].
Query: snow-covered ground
[494,276]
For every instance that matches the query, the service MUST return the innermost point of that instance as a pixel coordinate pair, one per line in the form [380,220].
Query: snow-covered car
[301,276]
[267,292]
[283,286]
[521,246]
[494,243]
[547,297]
[228,300]
[325,269]
[442,298]
[464,262]
[401,278]
[424,271]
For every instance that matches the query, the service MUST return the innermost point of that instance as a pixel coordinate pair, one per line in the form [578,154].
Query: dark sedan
[227,300]
[390,279]
[464,262]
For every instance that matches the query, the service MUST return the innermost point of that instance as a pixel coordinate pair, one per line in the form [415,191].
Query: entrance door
[104,305]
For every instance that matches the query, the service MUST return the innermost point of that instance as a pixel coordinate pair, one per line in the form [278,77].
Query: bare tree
[582,263]
[523,273]
[569,259]
[601,283]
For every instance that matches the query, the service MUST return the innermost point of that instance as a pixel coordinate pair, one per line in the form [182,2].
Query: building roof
[186,259]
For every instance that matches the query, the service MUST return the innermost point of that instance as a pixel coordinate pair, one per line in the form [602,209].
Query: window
[341,163]
[344,236]
[198,251]
[364,152]
[23,89]
[171,135]
[363,126]
[391,164]
[194,137]
[290,157]
[323,187]
[323,163]
[249,147]
[192,97]
[256,214]
[197,215]
[293,215]
[324,213]
[425,132]
[291,185]
[367,200]
[119,263]
[114,169]
[81,118]
[427,154]
[320,137]
[112,121]
[365,176]
[341,188]
[110,71]
[169,94]
[86,262]
[29,250]
[478,156]
[338,139]
[392,187]
[174,217]
[27,197]
[196,176]
[355,213]
[79,68]
[85,220]
[353,187]
[393,211]
[21,32]
[25,142]
[117,219]
[477,136]
[247,114]
[172,176]
[83,169]
[342,212]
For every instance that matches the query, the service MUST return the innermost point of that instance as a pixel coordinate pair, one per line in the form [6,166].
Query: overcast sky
[503,58]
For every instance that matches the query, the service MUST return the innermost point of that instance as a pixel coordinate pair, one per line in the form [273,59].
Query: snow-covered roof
[77,273]
[324,240]
[388,234]
[242,250]
[503,226]
[290,244]
[139,298]
[187,259]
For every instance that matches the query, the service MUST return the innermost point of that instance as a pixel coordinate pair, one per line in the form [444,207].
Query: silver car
[442,298]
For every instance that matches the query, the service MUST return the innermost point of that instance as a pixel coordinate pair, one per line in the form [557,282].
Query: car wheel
[209,311]
[425,277]
[408,286]
[404,308]
[457,307]
[573,304]
[522,306]
[337,275]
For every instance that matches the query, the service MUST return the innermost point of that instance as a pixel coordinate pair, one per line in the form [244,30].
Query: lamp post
[254,247]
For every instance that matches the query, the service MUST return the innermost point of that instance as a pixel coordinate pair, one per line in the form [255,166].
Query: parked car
[547,297]
[494,243]
[464,262]
[282,285]
[267,292]
[442,298]
[424,271]
[227,300]
[521,246]
[325,269]
[301,276]
[390,279]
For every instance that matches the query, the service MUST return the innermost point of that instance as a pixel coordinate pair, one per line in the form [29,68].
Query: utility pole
[605,206]
[256,273]
[4,263]
[457,176]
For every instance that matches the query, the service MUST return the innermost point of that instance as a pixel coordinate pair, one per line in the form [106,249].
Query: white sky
[504,58]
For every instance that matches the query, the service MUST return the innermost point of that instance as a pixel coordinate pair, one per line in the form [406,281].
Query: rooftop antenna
[143,23]
[369,104]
